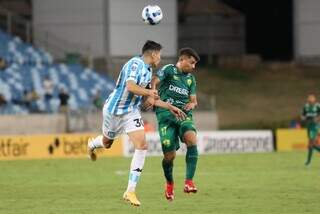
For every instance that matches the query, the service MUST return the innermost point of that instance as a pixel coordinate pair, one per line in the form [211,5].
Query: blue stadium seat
[28,66]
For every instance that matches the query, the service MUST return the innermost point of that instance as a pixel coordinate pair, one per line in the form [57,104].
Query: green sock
[167,167]
[317,148]
[310,152]
[191,161]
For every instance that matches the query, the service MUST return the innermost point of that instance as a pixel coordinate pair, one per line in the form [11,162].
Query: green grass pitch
[233,183]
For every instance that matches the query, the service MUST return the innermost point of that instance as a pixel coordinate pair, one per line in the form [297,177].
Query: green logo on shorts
[166,143]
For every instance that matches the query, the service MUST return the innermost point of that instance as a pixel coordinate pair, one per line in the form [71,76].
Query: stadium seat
[28,66]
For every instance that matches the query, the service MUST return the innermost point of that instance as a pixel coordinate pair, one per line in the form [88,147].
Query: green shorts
[313,131]
[171,130]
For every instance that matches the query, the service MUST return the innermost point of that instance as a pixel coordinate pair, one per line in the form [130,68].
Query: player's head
[152,51]
[188,59]
[311,98]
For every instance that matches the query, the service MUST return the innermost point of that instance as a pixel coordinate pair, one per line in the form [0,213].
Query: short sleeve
[304,112]
[134,71]
[193,86]
[164,72]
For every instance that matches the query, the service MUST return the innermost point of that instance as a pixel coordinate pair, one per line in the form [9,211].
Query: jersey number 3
[139,122]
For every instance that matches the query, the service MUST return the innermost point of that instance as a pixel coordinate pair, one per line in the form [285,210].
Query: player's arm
[149,102]
[179,114]
[138,90]
[134,72]
[161,75]
[192,104]
[303,114]
[155,82]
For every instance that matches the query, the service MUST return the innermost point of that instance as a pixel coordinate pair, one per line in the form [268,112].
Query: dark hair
[151,46]
[189,52]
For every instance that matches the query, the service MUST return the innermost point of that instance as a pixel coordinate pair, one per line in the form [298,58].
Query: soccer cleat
[189,187]
[132,198]
[169,191]
[92,156]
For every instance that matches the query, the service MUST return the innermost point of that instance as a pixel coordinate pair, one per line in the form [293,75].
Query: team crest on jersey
[134,67]
[160,73]
[189,81]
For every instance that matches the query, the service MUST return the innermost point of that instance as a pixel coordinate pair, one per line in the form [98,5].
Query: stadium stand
[27,67]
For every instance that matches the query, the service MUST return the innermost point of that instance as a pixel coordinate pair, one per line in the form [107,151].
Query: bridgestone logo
[178,90]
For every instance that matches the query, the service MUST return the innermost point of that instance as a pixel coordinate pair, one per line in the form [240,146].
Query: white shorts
[114,125]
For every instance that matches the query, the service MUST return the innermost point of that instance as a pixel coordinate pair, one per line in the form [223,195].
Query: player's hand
[148,103]
[189,106]
[154,94]
[179,114]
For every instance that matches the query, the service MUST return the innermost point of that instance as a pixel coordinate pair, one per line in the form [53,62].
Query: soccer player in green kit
[310,114]
[177,86]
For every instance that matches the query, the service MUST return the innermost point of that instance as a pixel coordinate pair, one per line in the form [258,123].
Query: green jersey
[175,87]
[310,112]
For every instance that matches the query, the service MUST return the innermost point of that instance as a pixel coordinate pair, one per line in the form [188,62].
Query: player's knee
[142,146]
[169,156]
[190,139]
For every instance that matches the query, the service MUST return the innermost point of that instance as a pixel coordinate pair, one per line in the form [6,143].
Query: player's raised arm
[138,90]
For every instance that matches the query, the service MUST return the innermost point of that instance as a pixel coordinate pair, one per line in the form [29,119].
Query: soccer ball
[152,14]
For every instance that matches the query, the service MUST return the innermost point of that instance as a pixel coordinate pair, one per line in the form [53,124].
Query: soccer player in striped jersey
[121,112]
[310,115]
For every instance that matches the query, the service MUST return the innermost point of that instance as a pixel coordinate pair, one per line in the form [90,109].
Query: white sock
[136,169]
[96,143]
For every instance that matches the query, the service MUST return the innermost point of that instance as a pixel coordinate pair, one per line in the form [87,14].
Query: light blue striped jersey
[121,101]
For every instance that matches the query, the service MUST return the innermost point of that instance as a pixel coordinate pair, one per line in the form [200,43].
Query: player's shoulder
[134,63]
[169,67]
[136,60]
[166,70]
[191,77]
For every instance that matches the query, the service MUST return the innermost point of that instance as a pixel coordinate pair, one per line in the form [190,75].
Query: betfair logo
[55,145]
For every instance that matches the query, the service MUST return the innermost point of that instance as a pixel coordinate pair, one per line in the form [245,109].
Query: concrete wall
[306,28]
[76,21]
[54,124]
[127,33]
[213,34]
[109,28]
[32,124]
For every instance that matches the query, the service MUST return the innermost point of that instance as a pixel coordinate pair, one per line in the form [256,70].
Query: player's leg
[311,135]
[316,144]
[167,166]
[110,130]
[189,137]
[169,144]
[98,142]
[135,130]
